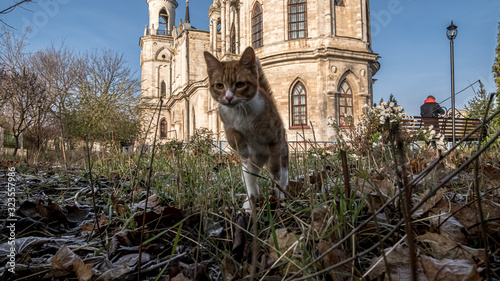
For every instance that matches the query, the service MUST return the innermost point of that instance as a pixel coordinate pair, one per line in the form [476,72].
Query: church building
[316,54]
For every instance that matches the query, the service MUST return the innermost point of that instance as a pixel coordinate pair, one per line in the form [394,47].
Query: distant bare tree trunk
[1,141]
[21,92]
[58,69]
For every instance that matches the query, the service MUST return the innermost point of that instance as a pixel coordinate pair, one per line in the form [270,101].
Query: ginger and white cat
[251,120]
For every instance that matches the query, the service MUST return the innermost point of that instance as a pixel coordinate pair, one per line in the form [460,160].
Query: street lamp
[451,33]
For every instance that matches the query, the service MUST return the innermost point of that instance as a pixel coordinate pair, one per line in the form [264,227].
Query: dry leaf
[429,204]
[322,220]
[449,227]
[287,246]
[153,201]
[285,241]
[449,270]
[398,264]
[67,261]
[443,247]
[335,256]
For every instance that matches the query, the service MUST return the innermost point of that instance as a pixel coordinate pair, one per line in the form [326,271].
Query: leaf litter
[58,236]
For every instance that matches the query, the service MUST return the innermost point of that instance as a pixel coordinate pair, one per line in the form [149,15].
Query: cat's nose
[229,98]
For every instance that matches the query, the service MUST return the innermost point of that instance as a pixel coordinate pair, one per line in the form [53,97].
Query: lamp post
[451,33]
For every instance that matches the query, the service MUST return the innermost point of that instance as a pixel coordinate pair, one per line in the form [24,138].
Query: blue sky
[409,35]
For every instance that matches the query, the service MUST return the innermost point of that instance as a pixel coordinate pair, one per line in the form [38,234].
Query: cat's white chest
[241,117]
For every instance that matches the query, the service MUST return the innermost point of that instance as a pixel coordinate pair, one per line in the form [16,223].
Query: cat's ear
[212,62]
[248,58]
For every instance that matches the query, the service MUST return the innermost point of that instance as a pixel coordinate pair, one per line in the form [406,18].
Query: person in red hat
[430,112]
[431,108]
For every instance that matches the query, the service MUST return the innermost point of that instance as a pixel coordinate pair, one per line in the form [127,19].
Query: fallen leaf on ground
[443,247]
[65,262]
[449,270]
[333,257]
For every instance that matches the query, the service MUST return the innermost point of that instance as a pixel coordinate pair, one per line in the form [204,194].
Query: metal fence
[223,147]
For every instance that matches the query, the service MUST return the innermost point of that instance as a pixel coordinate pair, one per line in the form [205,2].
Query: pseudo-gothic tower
[316,54]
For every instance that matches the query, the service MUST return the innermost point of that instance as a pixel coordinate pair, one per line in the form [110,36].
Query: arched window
[163,23]
[345,102]
[257,26]
[339,3]
[297,19]
[163,129]
[232,45]
[163,92]
[299,105]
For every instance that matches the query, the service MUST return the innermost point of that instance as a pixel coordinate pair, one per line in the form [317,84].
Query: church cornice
[318,53]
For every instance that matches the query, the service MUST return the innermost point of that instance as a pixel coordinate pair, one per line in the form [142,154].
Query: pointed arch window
[345,102]
[257,26]
[232,46]
[163,89]
[299,105]
[163,128]
[297,19]
[163,23]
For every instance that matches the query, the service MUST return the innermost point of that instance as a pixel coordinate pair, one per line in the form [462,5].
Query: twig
[160,264]
[345,170]
[384,255]
[148,188]
[141,153]
[12,7]
[96,212]
[406,206]
[478,198]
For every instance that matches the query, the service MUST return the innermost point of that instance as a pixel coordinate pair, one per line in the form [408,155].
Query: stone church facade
[316,55]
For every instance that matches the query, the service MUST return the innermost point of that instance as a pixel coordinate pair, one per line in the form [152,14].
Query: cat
[251,120]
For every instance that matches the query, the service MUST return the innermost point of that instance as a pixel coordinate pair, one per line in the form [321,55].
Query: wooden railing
[443,125]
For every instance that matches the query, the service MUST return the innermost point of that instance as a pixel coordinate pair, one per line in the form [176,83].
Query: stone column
[228,25]
[237,28]
[213,33]
[223,28]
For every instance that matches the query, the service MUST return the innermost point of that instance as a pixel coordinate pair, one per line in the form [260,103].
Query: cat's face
[233,82]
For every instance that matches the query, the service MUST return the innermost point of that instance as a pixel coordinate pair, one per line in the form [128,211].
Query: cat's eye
[219,86]
[240,84]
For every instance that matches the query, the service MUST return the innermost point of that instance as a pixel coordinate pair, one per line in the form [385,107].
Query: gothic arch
[163,89]
[232,36]
[257,25]
[353,80]
[298,95]
[163,21]
[347,98]
[163,128]
[162,54]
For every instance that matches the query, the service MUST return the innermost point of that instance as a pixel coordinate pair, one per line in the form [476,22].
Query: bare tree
[13,53]
[57,69]
[22,94]
[107,95]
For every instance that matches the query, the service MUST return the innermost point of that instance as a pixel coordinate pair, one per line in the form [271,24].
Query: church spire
[187,12]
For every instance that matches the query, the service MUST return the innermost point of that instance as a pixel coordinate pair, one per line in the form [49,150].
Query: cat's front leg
[278,166]
[250,172]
